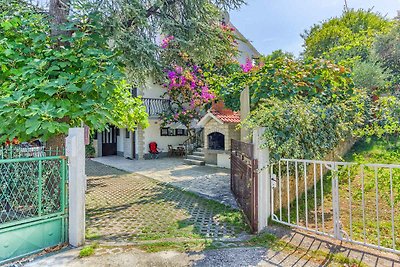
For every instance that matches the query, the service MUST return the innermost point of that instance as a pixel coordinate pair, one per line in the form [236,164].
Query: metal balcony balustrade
[156,106]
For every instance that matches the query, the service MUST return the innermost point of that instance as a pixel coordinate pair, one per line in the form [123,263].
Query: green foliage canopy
[308,106]
[285,78]
[137,28]
[387,49]
[345,38]
[304,128]
[46,89]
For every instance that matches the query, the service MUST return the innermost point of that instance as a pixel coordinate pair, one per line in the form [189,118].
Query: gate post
[264,181]
[75,148]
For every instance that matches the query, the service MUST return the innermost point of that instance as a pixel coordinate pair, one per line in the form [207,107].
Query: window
[171,132]
[134,91]
[117,131]
[164,131]
[127,134]
[180,132]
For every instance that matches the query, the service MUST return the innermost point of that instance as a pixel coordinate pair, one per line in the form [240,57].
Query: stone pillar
[99,144]
[244,112]
[75,148]
[264,180]
[140,142]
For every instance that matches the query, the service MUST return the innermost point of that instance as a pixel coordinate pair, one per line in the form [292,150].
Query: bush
[302,128]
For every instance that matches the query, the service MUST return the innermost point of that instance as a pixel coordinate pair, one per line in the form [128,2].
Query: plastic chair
[153,150]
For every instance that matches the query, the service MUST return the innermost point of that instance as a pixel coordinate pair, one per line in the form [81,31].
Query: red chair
[153,150]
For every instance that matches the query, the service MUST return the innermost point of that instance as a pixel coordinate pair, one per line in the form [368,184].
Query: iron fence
[359,203]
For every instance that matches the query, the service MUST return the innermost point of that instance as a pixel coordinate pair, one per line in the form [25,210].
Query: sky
[277,24]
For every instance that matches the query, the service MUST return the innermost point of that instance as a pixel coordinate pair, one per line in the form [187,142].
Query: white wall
[244,52]
[152,134]
[224,160]
[152,90]
[120,140]
[128,146]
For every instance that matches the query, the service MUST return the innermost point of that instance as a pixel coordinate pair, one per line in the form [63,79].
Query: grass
[371,150]
[89,250]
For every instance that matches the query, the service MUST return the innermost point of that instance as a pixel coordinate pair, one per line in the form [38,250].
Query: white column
[244,112]
[75,147]
[264,181]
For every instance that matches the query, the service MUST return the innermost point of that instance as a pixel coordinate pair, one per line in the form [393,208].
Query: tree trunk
[59,11]
[56,142]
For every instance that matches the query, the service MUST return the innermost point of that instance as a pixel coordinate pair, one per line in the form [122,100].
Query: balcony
[156,106]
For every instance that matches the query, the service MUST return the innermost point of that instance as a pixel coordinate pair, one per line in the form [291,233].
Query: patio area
[207,181]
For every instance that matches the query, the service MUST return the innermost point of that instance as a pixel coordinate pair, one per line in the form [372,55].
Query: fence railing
[32,185]
[156,106]
[20,151]
[359,203]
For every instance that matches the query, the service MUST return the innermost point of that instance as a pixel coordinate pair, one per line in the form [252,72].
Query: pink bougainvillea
[188,94]
[165,42]
[248,66]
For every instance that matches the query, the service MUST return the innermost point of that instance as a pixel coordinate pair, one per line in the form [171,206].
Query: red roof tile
[227,115]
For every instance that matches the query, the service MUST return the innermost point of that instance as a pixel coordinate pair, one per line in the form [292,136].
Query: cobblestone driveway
[124,207]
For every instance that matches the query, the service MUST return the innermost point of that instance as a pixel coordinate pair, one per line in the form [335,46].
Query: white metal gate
[358,203]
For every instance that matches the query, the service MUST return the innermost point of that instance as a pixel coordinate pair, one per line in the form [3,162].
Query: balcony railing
[156,106]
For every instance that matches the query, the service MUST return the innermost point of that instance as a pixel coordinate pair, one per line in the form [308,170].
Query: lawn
[373,192]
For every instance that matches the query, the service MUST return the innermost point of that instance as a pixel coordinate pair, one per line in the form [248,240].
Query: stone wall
[228,130]
[214,126]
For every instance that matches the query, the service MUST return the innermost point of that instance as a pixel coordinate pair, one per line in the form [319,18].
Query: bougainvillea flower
[247,66]
[166,41]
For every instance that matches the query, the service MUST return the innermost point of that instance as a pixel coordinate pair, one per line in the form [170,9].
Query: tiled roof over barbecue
[221,114]
[227,115]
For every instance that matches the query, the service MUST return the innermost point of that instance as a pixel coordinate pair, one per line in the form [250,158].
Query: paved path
[124,257]
[124,206]
[208,181]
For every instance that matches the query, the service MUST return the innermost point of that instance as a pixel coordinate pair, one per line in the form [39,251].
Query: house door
[109,141]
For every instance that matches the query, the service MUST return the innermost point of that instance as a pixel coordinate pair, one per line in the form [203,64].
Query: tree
[186,84]
[46,88]
[136,28]
[369,75]
[387,50]
[346,38]
[188,94]
[285,78]
[84,50]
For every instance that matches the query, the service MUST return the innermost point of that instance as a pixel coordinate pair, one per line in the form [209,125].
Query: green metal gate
[33,202]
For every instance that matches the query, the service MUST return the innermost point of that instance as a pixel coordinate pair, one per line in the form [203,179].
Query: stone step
[199,149]
[201,154]
[194,162]
[196,157]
